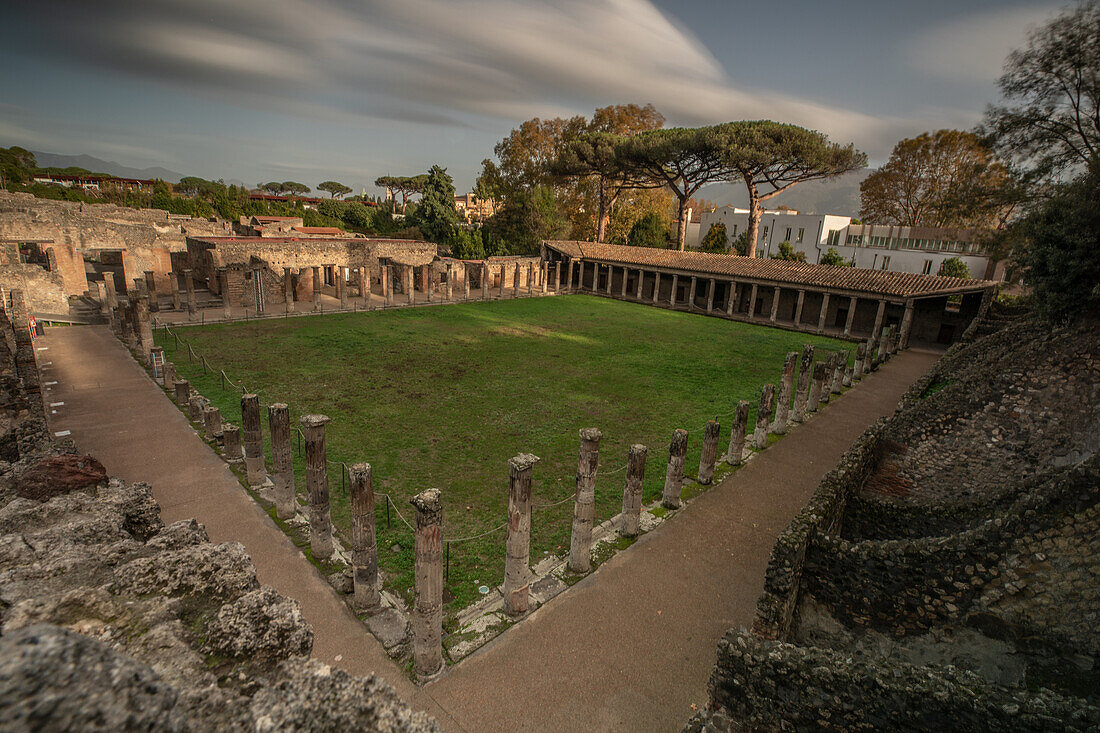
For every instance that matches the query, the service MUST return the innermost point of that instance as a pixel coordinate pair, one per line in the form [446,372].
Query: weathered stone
[58,475]
[709,453]
[427,616]
[783,398]
[802,395]
[282,460]
[764,417]
[518,542]
[674,474]
[632,492]
[584,502]
[261,623]
[320,517]
[364,543]
[736,451]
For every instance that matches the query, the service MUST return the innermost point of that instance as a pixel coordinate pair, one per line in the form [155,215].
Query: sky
[312,90]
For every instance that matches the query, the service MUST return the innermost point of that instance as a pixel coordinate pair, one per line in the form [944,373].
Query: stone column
[826,384]
[816,387]
[427,613]
[515,281]
[557,277]
[282,460]
[112,296]
[101,292]
[144,324]
[672,295]
[824,312]
[231,441]
[764,417]
[544,276]
[638,287]
[838,371]
[783,398]
[852,303]
[316,288]
[450,282]
[387,283]
[183,392]
[502,271]
[569,275]
[212,421]
[878,319]
[798,308]
[868,356]
[849,374]
[169,378]
[320,517]
[610,278]
[26,366]
[674,474]
[710,451]
[737,436]
[173,283]
[364,286]
[584,502]
[151,288]
[622,293]
[196,403]
[530,278]
[189,285]
[752,301]
[656,286]
[710,295]
[253,438]
[775,303]
[632,492]
[857,368]
[341,286]
[410,286]
[691,294]
[732,298]
[802,394]
[517,556]
[223,278]
[288,288]
[906,325]
[364,546]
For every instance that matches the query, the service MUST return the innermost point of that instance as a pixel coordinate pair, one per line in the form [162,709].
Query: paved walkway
[628,648]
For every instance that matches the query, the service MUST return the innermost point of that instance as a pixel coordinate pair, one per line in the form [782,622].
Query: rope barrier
[479,536]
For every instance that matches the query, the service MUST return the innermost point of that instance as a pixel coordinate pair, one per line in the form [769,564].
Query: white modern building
[867,246]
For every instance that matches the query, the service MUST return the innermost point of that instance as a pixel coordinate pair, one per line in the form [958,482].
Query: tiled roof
[783,272]
[337,231]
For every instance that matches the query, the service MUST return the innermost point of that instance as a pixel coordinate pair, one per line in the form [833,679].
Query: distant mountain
[108,167]
[836,196]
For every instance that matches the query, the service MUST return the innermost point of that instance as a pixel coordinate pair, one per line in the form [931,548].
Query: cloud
[427,61]
[973,48]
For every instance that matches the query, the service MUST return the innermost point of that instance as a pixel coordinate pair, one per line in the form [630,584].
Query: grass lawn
[444,396]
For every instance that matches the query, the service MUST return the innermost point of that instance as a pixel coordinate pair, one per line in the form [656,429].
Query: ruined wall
[44,291]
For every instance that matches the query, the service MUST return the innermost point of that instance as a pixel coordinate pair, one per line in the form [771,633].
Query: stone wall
[44,290]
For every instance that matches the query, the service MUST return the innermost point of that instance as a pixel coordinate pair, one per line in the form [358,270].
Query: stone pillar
[450,282]
[776,291]
[545,277]
[638,286]
[223,279]
[610,277]
[737,436]
[849,373]
[798,308]
[672,295]
[802,394]
[26,366]
[320,517]
[710,295]
[427,613]
[656,286]
[783,398]
[852,303]
[196,403]
[112,296]
[752,301]
[816,387]
[691,294]
[341,286]
[530,278]
[878,319]
[410,286]
[387,283]
[465,281]
[906,325]
[632,492]
[584,502]
[282,460]
[189,286]
[674,475]
[173,283]
[517,556]
[557,277]
[515,281]
[868,356]
[709,453]
[838,372]
[169,378]
[144,326]
[231,441]
[288,288]
[253,438]
[151,288]
[824,312]
[569,275]
[183,392]
[826,384]
[101,292]
[502,271]
[731,298]
[857,368]
[316,287]
[212,421]
[764,417]
[364,545]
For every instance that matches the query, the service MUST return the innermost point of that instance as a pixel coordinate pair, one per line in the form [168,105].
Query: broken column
[364,544]
[802,394]
[816,387]
[427,613]
[517,556]
[857,368]
[320,518]
[410,286]
[195,405]
[288,288]
[868,356]
[189,286]
[151,289]
[736,451]
[709,453]
[316,288]
[253,438]
[764,417]
[231,442]
[101,289]
[830,368]
[25,364]
[584,502]
[112,295]
[632,492]
[846,379]
[783,398]
[674,474]
[183,392]
[838,372]
[169,377]
[212,421]
[282,460]
[173,283]
[144,325]
[223,278]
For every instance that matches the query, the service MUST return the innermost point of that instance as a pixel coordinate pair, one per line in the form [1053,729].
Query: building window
[801,233]
[927,269]
[788,237]
[885,263]
[734,230]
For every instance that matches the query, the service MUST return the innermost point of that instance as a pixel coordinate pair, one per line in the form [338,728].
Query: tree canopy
[954,267]
[788,252]
[17,165]
[406,186]
[649,231]
[834,258]
[771,157]
[716,239]
[436,217]
[334,187]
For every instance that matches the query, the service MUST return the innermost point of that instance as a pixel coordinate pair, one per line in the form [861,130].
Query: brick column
[672,295]
[517,556]
[775,303]
[824,312]
[691,294]
[151,288]
[189,285]
[515,281]
[906,325]
[674,474]
[341,286]
[320,518]
[223,279]
[737,435]
[877,330]
[852,302]
[798,308]
[253,439]
[427,612]
[316,288]
[410,288]
[183,392]
[783,398]
[656,286]
[25,364]
[282,460]
[632,492]
[732,298]
[364,545]
[173,284]
[764,417]
[288,288]
[584,502]
[752,301]
[802,394]
[709,453]
[710,295]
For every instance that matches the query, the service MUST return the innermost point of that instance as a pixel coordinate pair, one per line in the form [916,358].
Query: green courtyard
[444,396]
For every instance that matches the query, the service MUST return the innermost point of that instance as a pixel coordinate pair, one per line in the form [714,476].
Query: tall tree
[1049,123]
[436,217]
[681,159]
[334,187]
[17,165]
[406,186]
[771,157]
[948,178]
[274,188]
[294,188]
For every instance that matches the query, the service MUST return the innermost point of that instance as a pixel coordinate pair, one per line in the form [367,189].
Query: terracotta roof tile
[852,279]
